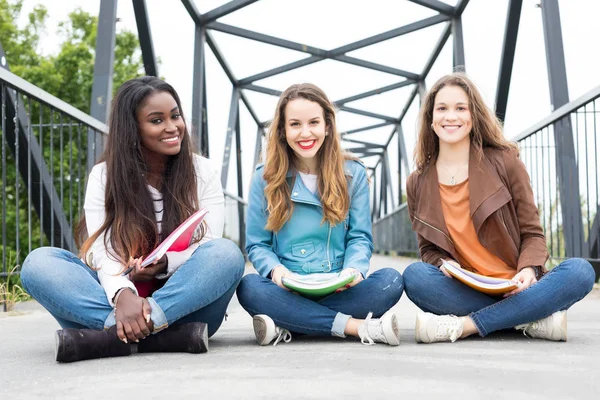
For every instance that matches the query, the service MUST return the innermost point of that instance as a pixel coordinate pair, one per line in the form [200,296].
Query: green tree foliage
[68,75]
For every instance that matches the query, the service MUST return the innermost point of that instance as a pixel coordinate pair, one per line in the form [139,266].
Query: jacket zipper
[434,228]
[328,239]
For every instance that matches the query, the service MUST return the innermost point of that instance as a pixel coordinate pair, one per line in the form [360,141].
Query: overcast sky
[330,23]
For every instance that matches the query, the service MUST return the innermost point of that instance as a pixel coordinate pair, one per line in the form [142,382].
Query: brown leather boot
[86,344]
[185,338]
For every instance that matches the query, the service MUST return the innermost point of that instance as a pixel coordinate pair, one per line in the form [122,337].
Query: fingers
[143,325]
[131,336]
[121,332]
[147,312]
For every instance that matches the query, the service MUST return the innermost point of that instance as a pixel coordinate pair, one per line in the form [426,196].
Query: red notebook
[179,240]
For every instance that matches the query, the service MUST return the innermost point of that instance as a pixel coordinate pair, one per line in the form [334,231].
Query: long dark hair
[128,204]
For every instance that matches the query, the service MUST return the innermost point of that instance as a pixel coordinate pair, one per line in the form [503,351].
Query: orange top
[471,253]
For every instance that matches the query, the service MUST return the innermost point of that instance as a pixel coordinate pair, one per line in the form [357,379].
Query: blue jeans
[199,291]
[557,290]
[325,317]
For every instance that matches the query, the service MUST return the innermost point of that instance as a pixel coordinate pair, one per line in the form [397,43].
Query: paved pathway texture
[501,366]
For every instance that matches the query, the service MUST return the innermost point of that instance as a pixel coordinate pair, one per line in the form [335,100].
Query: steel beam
[234,110]
[145,37]
[458,54]
[368,114]
[388,179]
[376,67]
[240,186]
[199,109]
[103,74]
[403,30]
[264,90]
[258,145]
[566,162]
[436,5]
[511,32]
[437,50]
[225,9]
[368,128]
[374,92]
[267,39]
[365,144]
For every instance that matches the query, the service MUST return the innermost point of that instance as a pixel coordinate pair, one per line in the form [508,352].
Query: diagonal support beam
[199,106]
[436,5]
[234,110]
[225,9]
[374,92]
[511,32]
[367,128]
[103,74]
[145,37]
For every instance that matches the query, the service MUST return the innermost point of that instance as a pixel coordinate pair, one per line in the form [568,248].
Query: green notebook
[316,285]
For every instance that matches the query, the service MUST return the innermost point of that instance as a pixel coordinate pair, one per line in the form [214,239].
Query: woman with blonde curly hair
[308,213]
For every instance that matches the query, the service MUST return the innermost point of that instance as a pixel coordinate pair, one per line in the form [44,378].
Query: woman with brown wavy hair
[471,205]
[147,183]
[308,213]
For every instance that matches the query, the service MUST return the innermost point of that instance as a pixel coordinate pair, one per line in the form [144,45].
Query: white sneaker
[265,331]
[437,328]
[382,330]
[553,327]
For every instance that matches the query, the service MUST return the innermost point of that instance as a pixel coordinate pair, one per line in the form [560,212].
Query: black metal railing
[43,160]
[561,156]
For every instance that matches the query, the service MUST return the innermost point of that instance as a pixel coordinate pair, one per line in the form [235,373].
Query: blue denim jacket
[304,244]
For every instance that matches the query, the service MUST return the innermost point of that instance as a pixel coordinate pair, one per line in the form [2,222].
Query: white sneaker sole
[390,328]
[261,330]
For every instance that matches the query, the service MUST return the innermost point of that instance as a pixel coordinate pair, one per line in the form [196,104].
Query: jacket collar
[487,193]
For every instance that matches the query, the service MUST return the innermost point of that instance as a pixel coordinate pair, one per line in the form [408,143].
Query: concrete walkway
[502,366]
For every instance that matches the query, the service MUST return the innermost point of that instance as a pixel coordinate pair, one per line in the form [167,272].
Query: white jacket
[210,197]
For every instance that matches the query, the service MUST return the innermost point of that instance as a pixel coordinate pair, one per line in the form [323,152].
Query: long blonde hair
[486,131]
[280,158]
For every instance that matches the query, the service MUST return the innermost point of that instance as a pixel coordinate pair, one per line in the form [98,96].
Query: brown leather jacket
[502,209]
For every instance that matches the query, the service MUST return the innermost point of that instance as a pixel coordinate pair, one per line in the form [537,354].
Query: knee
[39,264]
[230,256]
[249,289]
[391,279]
[582,274]
[414,274]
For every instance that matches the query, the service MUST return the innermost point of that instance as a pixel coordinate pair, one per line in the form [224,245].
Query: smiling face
[305,131]
[161,127]
[452,120]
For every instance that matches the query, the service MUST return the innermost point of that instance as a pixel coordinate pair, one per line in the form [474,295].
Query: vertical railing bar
[51,170]
[79,206]
[17,183]
[3,151]
[596,149]
[62,173]
[29,183]
[550,192]
[578,163]
[587,179]
[70,176]
[40,182]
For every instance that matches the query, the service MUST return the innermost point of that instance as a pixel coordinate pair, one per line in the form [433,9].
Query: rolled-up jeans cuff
[110,320]
[339,325]
[159,319]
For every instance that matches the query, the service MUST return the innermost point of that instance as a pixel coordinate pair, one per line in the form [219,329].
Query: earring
[432,125]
